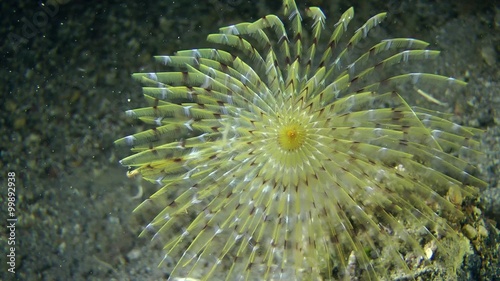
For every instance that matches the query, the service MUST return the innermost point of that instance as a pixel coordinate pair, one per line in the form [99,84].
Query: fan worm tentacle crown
[288,153]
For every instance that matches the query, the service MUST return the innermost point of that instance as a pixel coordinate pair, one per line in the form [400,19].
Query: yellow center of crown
[291,137]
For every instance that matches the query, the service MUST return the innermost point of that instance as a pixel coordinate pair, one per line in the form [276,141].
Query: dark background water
[65,82]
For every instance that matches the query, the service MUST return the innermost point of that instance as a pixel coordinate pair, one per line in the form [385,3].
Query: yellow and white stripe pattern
[293,156]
